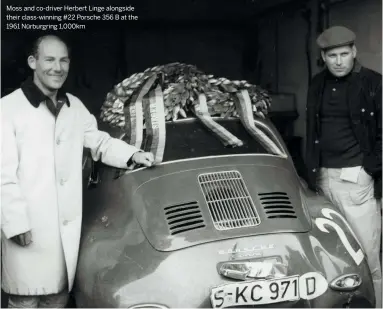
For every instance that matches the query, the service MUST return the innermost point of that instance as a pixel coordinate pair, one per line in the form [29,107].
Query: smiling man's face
[50,65]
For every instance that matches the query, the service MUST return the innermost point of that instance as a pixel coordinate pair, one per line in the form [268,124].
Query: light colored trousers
[357,203]
[59,300]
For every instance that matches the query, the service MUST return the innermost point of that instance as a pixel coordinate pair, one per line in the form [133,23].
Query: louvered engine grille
[228,199]
[277,205]
[184,217]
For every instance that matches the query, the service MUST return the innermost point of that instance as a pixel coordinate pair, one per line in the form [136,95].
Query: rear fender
[335,244]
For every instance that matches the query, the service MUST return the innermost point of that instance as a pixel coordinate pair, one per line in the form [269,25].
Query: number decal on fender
[321,222]
[327,213]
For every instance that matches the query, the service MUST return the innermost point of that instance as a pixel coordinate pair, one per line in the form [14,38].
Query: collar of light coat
[35,96]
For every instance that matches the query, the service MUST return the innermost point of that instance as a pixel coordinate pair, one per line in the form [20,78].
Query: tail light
[349,282]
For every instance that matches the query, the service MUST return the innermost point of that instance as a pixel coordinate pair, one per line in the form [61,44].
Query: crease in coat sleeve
[14,212]
[112,151]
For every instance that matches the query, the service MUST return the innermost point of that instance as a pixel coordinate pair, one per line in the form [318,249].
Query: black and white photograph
[191,154]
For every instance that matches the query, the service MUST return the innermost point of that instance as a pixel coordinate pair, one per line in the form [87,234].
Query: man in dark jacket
[344,140]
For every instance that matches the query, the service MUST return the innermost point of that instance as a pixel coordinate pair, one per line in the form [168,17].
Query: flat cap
[335,36]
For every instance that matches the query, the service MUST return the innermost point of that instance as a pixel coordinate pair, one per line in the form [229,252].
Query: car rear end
[210,230]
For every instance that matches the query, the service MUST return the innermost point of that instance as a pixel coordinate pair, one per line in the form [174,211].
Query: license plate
[255,292]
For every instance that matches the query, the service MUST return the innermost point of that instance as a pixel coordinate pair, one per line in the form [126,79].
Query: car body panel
[128,255]
[169,186]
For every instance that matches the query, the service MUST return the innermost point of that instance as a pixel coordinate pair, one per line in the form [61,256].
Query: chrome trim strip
[207,157]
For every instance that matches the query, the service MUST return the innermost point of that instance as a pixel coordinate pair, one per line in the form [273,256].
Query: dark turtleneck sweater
[339,146]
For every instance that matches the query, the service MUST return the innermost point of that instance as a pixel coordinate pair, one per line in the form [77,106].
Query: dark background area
[269,43]
[220,37]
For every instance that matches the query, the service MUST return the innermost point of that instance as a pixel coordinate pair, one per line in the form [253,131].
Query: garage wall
[284,57]
[292,63]
[365,19]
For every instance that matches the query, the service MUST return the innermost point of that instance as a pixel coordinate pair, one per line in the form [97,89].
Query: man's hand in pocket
[23,239]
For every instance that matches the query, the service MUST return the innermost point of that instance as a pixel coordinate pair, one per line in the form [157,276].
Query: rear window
[190,139]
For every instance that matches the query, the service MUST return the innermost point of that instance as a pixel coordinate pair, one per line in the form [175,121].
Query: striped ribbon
[245,111]
[202,113]
[149,105]
[134,123]
[134,119]
[134,115]
[154,114]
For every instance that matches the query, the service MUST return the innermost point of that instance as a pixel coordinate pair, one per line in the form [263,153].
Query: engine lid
[209,203]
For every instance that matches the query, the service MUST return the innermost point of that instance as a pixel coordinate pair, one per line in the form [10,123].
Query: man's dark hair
[36,44]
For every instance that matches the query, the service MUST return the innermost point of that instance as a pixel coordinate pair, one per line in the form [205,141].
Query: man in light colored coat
[44,131]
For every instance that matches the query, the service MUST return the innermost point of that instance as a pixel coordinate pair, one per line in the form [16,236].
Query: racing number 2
[321,222]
